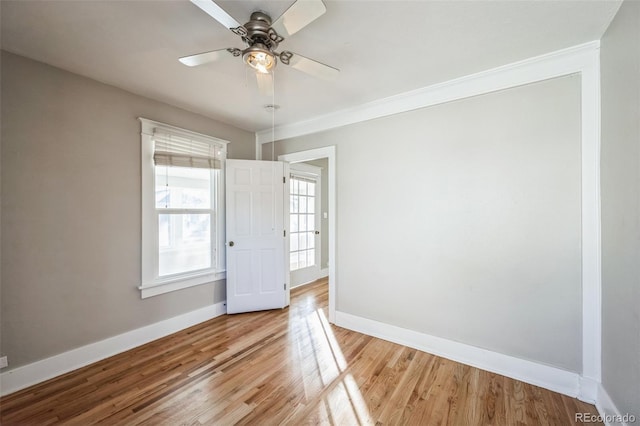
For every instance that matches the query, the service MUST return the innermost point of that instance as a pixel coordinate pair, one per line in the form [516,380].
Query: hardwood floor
[283,367]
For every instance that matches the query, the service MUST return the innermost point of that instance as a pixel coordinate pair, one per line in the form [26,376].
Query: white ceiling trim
[550,65]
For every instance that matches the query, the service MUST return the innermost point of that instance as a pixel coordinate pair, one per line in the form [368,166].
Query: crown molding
[558,63]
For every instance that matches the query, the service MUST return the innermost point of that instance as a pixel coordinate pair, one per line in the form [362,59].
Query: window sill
[179,283]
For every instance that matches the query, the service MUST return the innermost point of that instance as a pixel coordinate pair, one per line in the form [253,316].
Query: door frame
[328,152]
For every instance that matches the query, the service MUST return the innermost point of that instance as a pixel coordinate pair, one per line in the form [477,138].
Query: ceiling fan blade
[217,13]
[206,57]
[299,15]
[311,67]
[265,83]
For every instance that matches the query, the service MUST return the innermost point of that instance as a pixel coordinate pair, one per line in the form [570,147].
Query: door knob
[231,243]
[317,232]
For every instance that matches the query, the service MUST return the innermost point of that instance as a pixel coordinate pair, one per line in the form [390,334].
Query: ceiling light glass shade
[259,58]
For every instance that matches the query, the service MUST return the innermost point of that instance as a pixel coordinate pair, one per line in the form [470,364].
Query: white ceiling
[381,47]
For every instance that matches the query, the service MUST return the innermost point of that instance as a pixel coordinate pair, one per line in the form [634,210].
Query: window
[182,197]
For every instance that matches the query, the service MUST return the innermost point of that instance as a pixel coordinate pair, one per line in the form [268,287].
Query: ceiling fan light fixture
[259,58]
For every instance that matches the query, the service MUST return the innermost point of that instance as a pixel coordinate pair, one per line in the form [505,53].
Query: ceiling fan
[262,36]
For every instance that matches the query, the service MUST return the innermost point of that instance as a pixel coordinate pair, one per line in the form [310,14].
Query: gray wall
[620,70]
[462,220]
[71,210]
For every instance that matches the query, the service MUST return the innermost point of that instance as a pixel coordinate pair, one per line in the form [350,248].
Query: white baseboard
[588,390]
[608,411]
[541,375]
[324,273]
[39,371]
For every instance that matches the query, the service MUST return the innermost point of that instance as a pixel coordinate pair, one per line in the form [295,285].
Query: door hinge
[285,286]
[284,233]
[284,179]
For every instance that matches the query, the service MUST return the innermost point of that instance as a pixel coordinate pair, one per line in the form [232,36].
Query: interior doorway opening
[324,159]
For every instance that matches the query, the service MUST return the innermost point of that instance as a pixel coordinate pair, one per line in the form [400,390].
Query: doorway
[328,153]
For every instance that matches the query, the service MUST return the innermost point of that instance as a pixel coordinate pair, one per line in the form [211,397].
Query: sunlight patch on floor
[343,403]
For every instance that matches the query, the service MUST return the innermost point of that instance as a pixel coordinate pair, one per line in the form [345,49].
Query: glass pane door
[302,227]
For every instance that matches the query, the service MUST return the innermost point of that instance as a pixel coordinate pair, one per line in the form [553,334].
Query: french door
[304,224]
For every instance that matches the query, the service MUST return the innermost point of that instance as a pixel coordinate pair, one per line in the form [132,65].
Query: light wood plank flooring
[283,367]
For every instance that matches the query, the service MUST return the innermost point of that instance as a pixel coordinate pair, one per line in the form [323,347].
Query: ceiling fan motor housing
[261,40]
[259,30]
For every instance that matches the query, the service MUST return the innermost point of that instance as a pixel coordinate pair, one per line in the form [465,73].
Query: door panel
[267,269]
[242,267]
[255,236]
[242,209]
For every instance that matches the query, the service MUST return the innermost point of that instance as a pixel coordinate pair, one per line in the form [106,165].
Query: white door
[304,224]
[255,236]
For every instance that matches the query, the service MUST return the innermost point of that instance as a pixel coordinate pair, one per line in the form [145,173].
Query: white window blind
[178,151]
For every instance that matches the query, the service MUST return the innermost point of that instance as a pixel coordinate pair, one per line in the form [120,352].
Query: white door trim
[328,152]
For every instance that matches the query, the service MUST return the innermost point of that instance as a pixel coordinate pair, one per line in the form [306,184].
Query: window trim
[151,284]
